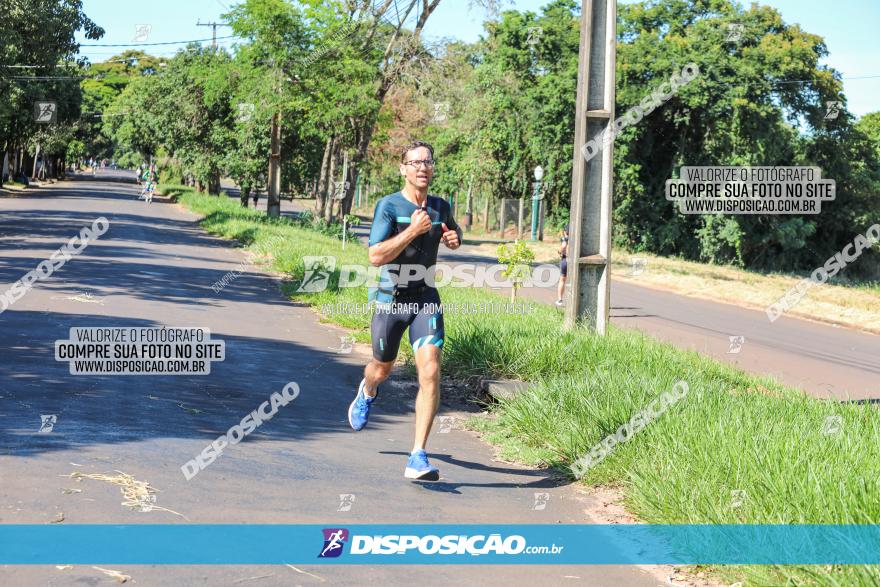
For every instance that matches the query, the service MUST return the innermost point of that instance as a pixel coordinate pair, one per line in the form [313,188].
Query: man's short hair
[413,146]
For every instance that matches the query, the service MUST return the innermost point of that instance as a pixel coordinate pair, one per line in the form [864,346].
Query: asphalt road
[155,267]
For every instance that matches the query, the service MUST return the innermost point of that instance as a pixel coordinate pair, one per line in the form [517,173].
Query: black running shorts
[419,311]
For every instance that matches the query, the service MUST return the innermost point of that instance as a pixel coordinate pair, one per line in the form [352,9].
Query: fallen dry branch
[136,494]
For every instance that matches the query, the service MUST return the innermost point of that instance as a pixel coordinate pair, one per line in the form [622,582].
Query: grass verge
[738,449]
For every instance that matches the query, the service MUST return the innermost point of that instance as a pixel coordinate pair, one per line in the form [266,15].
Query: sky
[848,26]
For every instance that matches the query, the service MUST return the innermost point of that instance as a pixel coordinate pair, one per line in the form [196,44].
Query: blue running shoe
[359,410]
[418,467]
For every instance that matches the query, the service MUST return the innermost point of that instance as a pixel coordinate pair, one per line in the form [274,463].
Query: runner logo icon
[317,274]
[334,540]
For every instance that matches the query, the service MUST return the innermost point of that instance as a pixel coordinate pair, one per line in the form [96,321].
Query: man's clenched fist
[420,222]
[450,238]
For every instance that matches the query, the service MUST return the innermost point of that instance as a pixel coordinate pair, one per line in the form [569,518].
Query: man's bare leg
[428,399]
[375,373]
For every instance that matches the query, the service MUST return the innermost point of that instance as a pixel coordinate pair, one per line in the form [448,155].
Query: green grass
[14,185]
[174,191]
[733,431]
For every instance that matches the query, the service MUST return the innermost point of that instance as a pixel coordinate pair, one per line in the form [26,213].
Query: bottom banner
[228,544]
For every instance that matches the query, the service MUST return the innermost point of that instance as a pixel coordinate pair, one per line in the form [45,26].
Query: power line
[812,81]
[49,78]
[156,44]
[213,26]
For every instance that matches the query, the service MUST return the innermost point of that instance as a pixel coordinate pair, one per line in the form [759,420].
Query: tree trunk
[321,191]
[331,178]
[273,204]
[36,158]
[214,183]
[486,215]
[3,162]
[469,211]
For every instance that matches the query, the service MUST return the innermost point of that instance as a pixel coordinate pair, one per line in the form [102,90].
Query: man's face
[419,176]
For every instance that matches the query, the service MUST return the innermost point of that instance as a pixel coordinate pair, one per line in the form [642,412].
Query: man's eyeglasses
[418,163]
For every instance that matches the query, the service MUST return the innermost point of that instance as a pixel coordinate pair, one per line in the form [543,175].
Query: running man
[408,227]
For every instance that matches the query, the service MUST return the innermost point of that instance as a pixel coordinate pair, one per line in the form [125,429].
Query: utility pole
[213,26]
[273,203]
[273,199]
[590,244]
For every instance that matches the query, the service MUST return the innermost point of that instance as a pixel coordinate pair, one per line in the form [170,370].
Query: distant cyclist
[408,227]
